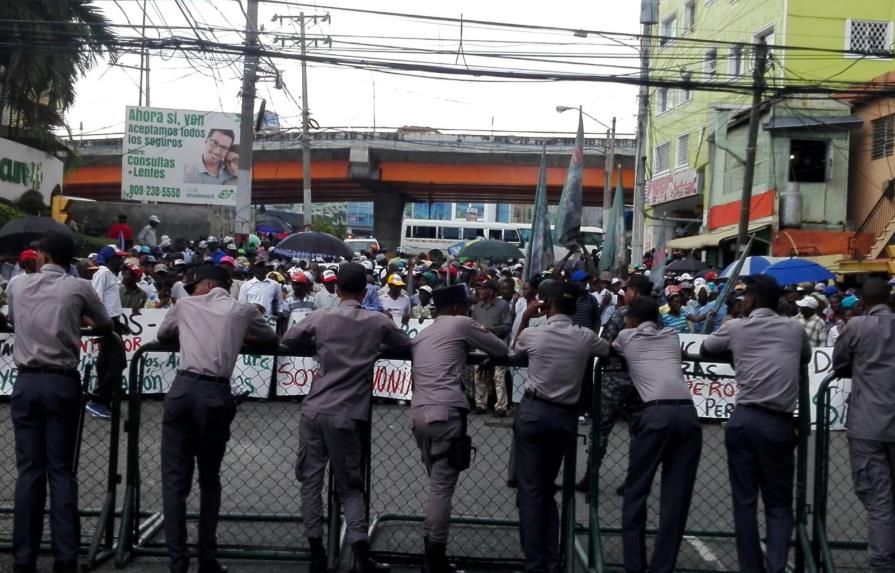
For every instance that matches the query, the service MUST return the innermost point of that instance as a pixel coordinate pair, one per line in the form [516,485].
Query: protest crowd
[223,292]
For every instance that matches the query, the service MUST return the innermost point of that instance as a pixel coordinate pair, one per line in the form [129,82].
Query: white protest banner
[9,372]
[180,156]
[391,378]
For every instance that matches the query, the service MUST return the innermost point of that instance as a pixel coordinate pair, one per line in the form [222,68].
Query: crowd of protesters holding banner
[559,318]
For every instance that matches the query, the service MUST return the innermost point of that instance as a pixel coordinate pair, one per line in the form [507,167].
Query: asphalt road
[258,478]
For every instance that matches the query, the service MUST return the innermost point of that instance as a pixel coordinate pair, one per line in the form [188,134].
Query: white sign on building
[24,168]
[180,156]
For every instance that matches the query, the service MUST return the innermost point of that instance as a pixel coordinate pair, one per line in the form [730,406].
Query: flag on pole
[657,273]
[539,254]
[121,243]
[568,215]
[614,237]
[728,286]
[621,248]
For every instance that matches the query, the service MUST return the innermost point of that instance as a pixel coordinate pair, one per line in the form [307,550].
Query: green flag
[728,286]
[614,255]
[568,215]
[539,254]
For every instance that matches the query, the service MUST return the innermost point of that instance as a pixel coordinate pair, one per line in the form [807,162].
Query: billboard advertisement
[24,168]
[180,156]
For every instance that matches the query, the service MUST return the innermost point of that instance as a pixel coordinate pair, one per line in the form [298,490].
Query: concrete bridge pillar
[388,212]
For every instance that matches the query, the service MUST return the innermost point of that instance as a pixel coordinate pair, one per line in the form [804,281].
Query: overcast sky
[344,98]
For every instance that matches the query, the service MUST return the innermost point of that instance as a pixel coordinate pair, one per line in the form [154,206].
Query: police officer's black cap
[552,288]
[208,272]
[352,278]
[449,296]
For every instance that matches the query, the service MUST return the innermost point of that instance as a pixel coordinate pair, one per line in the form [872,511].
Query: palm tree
[45,47]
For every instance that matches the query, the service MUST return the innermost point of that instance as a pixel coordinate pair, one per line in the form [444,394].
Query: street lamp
[609,155]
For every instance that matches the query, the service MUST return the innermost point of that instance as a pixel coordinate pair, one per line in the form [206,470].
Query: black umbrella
[271,224]
[491,249]
[686,265]
[18,234]
[310,245]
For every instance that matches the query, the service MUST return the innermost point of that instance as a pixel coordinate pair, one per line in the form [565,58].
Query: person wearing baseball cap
[132,296]
[438,409]
[47,309]
[27,264]
[147,235]
[327,296]
[814,325]
[261,291]
[105,283]
[396,302]
[211,328]
[301,297]
[336,412]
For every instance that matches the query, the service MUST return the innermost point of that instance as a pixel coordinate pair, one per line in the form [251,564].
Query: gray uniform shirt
[46,308]
[212,328]
[866,344]
[768,350]
[347,339]
[439,353]
[557,357]
[653,355]
[496,316]
[147,237]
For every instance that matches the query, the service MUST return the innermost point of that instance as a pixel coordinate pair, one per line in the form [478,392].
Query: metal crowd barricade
[709,538]
[838,524]
[260,513]
[96,462]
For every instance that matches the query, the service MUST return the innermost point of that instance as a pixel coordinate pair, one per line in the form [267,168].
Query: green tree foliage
[323,225]
[47,46]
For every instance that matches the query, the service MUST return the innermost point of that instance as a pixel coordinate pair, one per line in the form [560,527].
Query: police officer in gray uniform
[768,351]
[47,308]
[667,433]
[438,409]
[211,328]
[865,350]
[336,412]
[546,422]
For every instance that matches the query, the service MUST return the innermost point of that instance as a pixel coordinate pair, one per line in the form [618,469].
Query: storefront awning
[715,237]
[828,123]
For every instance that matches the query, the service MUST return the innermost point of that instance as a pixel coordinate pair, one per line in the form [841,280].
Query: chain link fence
[100,457]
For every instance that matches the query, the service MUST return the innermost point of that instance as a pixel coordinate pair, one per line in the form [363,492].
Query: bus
[593,238]
[423,235]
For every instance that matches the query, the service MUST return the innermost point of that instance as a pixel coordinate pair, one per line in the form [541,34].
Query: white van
[593,238]
[423,235]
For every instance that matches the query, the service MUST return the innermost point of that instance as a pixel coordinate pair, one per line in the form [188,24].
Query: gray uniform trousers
[760,458]
[45,410]
[195,430]
[873,471]
[669,435]
[543,433]
[434,439]
[321,439]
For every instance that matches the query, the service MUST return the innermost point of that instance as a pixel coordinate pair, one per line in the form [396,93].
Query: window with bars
[768,36]
[668,29]
[868,37]
[686,93]
[663,100]
[683,150]
[710,63]
[884,137]
[689,16]
[735,61]
[661,158]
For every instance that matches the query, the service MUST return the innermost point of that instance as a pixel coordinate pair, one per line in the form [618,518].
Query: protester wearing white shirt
[326,297]
[263,291]
[105,279]
[396,302]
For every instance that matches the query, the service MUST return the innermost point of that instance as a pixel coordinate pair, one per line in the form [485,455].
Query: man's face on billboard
[216,147]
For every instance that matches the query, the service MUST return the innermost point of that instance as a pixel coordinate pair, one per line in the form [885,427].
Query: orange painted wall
[729,213]
[810,242]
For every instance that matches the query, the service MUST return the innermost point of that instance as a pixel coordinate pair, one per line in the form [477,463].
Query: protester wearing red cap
[327,297]
[27,263]
[132,296]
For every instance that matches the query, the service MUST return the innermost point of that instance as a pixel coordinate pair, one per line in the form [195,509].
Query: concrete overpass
[388,169]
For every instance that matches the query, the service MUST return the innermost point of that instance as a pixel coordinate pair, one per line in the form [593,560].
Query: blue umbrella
[793,271]
[752,266]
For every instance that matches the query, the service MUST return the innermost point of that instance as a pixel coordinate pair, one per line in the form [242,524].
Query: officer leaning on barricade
[546,421]
[47,309]
[211,328]
[668,433]
[768,351]
[439,407]
[865,350]
[336,413]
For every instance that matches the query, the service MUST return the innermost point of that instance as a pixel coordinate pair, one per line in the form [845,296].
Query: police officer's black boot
[436,558]
[362,561]
[318,556]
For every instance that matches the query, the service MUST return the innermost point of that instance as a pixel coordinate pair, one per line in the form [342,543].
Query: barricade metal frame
[100,546]
[139,525]
[593,555]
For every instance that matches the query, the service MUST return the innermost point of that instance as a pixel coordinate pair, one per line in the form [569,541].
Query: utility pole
[649,12]
[144,62]
[758,86]
[305,132]
[247,123]
[607,182]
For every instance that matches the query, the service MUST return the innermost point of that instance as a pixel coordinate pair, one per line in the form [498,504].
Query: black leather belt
[667,403]
[46,370]
[769,411]
[532,395]
[204,377]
